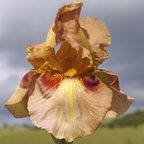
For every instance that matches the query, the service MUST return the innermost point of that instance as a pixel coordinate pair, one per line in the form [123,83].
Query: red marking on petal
[91,83]
[32,83]
[47,81]
[26,80]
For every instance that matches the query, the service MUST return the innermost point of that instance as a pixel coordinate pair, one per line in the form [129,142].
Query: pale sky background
[25,22]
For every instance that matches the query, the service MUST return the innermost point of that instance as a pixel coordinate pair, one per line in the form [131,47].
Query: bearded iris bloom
[65,92]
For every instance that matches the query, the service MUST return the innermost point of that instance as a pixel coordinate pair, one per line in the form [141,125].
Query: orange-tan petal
[70,61]
[99,38]
[120,104]
[43,57]
[120,101]
[68,29]
[109,78]
[17,103]
[36,55]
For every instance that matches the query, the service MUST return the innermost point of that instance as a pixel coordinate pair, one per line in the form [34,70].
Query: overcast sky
[25,22]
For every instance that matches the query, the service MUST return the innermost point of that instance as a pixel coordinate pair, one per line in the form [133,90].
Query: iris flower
[65,92]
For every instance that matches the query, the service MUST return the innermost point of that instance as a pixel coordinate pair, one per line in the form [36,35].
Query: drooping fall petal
[17,104]
[99,38]
[69,109]
[120,101]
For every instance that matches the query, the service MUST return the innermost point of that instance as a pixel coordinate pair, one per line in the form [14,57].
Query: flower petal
[52,61]
[50,43]
[36,55]
[67,25]
[99,38]
[69,109]
[68,57]
[120,101]
[70,60]
[109,78]
[120,104]
[67,29]
[51,40]
[43,57]
[17,104]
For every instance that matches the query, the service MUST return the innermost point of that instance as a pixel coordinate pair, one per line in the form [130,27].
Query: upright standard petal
[99,38]
[67,29]
[17,104]
[70,108]
[36,55]
[42,57]
[67,25]
[120,101]
[70,61]
[50,43]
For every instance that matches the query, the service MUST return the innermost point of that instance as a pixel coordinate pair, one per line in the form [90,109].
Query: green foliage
[134,119]
[128,129]
[125,135]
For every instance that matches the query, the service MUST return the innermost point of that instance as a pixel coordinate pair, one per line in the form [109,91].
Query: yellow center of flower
[70,72]
[71,99]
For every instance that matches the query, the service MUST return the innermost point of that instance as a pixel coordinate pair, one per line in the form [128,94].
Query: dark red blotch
[91,82]
[26,80]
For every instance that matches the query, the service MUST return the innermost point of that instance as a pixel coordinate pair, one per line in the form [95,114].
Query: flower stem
[60,141]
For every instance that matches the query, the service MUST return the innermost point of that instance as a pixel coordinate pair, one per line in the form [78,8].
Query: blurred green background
[128,129]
